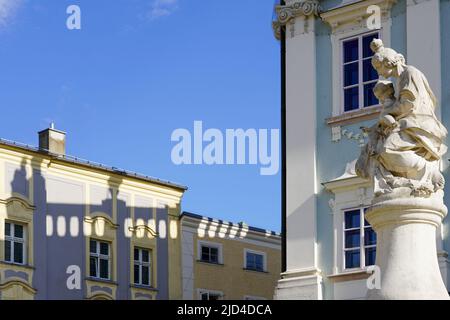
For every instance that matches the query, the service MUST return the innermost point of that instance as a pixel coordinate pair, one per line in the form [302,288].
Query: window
[15,248]
[209,254]
[359,77]
[142,267]
[254,260]
[209,295]
[99,259]
[359,240]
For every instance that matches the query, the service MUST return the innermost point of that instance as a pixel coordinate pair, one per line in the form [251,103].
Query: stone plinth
[406,245]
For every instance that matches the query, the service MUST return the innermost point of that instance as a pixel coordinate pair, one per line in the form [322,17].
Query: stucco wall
[231,278]
[58,191]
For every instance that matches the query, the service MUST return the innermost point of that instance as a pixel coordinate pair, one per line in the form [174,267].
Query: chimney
[52,140]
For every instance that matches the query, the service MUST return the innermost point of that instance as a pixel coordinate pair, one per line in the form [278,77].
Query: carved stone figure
[407,142]
[402,158]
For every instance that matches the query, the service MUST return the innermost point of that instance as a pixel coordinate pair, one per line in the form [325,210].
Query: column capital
[287,13]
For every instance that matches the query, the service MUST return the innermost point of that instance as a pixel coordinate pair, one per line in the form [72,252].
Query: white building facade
[327,82]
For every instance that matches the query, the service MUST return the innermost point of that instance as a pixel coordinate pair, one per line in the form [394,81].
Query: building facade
[221,260]
[327,93]
[71,229]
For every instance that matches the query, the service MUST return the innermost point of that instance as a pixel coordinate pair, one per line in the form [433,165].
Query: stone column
[406,245]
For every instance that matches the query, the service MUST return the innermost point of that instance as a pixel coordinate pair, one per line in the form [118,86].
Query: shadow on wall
[58,221]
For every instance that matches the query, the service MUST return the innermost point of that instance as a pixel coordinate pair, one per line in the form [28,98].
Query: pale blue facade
[332,156]
[314,261]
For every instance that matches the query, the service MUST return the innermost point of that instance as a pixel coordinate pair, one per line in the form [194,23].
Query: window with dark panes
[359,240]
[209,254]
[142,266]
[15,249]
[254,261]
[358,75]
[99,259]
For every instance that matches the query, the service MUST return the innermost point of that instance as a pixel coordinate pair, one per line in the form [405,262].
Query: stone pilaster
[302,279]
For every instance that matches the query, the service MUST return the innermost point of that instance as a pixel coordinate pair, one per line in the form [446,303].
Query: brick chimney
[52,140]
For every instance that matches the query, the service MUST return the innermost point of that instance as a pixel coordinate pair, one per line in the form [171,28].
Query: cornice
[355,14]
[287,13]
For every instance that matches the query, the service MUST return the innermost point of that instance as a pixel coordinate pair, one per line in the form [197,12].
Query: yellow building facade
[221,260]
[72,229]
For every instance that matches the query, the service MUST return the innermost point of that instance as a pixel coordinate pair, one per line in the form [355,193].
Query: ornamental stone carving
[287,13]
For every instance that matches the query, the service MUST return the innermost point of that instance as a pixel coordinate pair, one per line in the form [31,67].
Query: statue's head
[384,90]
[386,61]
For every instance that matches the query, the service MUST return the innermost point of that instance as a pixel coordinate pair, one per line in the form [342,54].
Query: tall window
[359,240]
[15,243]
[254,261]
[99,259]
[209,254]
[359,77]
[142,266]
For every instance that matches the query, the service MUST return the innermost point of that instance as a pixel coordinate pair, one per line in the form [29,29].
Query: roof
[255,229]
[90,164]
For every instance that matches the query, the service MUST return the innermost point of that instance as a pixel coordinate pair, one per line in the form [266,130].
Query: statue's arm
[403,106]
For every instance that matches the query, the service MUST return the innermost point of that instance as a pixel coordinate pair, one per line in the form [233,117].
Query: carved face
[385,63]
[383,69]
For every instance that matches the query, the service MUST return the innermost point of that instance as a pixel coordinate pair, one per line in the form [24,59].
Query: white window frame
[141,264]
[99,256]
[337,38]
[200,292]
[211,245]
[13,240]
[362,247]
[262,253]
[360,84]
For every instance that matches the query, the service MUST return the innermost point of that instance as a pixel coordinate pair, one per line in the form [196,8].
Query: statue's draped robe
[420,135]
[409,155]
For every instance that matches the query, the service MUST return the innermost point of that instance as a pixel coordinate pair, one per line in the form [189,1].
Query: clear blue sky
[137,70]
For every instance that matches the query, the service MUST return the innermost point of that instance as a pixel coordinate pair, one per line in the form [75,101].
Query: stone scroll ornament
[402,158]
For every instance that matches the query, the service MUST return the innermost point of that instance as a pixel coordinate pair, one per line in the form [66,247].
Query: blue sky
[136,71]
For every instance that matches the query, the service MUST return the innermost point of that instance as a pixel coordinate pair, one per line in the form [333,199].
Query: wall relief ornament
[287,13]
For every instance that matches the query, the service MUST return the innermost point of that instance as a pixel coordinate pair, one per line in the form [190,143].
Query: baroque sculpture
[402,157]
[407,142]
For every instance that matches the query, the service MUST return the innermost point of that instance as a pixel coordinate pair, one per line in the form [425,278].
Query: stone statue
[406,143]
[402,158]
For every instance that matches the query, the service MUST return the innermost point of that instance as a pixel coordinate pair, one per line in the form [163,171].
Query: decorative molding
[349,275]
[18,282]
[347,181]
[145,228]
[358,137]
[354,15]
[287,14]
[354,116]
[94,219]
[18,199]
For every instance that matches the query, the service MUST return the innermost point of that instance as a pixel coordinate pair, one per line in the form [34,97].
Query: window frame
[209,244]
[99,256]
[12,238]
[360,84]
[209,292]
[261,253]
[362,247]
[141,264]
